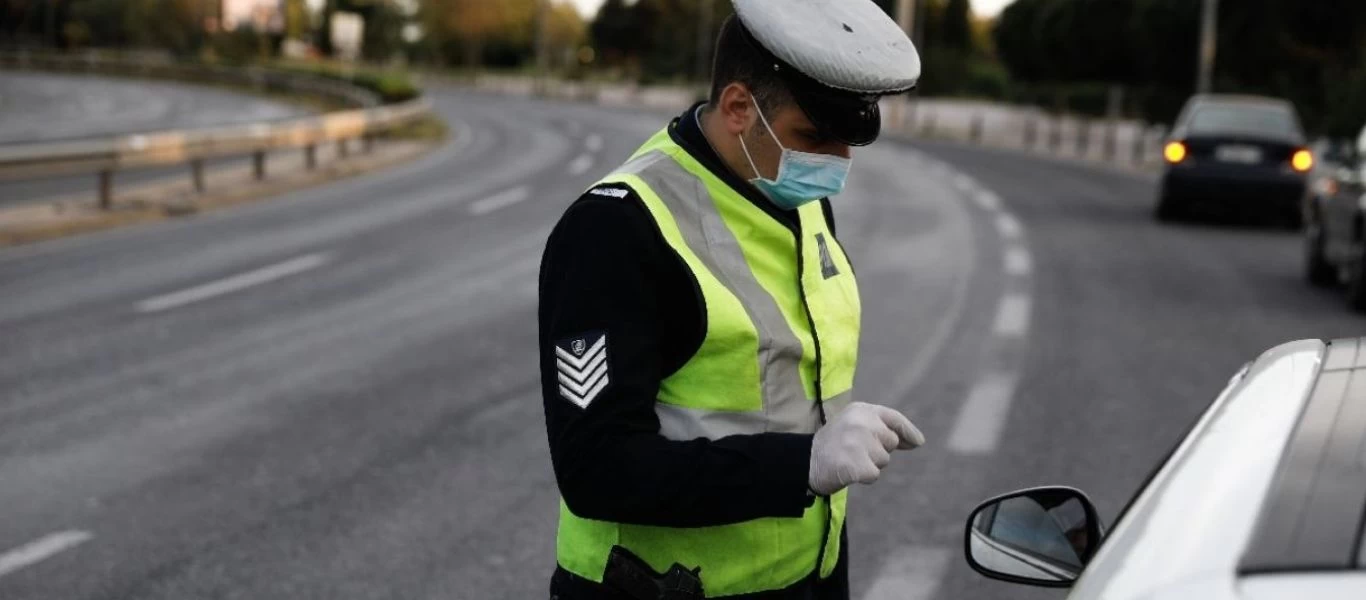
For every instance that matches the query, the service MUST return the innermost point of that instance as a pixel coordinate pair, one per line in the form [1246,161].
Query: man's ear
[736,108]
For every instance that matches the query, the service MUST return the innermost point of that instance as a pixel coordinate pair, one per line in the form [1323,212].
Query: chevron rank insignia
[582,365]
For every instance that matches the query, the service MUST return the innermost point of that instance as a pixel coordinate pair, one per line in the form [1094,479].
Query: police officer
[699,327]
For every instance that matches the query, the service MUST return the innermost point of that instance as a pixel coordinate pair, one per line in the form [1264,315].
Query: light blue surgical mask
[803,177]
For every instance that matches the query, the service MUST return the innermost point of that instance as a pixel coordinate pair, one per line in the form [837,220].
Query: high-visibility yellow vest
[782,329]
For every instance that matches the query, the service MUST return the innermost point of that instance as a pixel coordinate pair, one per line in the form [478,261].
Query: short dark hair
[739,60]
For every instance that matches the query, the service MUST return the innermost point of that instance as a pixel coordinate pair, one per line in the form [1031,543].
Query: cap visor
[850,120]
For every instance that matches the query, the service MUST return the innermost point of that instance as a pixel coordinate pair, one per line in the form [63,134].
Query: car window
[1255,120]
[1027,524]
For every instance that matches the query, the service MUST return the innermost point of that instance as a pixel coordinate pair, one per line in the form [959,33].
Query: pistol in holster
[630,575]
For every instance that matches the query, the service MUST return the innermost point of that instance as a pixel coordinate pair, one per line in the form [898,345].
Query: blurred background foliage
[1060,55]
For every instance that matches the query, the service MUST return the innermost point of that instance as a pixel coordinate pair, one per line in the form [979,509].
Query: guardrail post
[1083,137]
[106,189]
[342,149]
[1156,140]
[197,173]
[1030,132]
[311,157]
[976,132]
[258,160]
[367,142]
[1110,142]
[1055,136]
[929,124]
[1140,139]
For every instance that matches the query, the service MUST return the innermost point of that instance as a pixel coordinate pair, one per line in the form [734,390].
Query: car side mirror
[1040,536]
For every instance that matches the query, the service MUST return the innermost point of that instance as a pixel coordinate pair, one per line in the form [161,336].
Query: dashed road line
[500,201]
[983,415]
[987,200]
[1008,226]
[581,165]
[593,143]
[1018,262]
[1012,316]
[235,283]
[41,549]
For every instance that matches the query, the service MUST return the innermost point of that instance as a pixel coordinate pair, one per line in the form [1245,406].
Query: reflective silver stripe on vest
[786,406]
[682,423]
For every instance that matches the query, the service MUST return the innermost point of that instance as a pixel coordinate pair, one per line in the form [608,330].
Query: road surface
[335,394]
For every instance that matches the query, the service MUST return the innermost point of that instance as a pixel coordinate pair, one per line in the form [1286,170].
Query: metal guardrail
[106,155]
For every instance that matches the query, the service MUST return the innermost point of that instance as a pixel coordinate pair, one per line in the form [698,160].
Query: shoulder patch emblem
[610,192]
[581,363]
[828,268]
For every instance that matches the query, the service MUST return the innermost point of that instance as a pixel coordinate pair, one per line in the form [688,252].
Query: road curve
[334,394]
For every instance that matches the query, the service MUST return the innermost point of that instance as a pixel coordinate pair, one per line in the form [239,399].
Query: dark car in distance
[1246,155]
[1335,225]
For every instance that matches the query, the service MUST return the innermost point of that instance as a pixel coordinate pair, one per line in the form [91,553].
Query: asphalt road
[44,107]
[41,107]
[334,394]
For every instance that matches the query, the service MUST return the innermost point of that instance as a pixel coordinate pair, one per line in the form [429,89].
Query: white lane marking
[912,573]
[983,415]
[581,165]
[963,183]
[1018,261]
[41,549]
[233,284]
[593,143]
[1012,316]
[500,201]
[988,200]
[1008,226]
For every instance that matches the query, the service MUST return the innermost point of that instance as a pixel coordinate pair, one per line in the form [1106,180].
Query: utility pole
[905,16]
[1209,17]
[901,111]
[542,44]
[704,41]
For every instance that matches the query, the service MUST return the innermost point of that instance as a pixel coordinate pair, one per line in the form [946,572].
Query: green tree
[1308,52]
[163,24]
[297,24]
[957,26]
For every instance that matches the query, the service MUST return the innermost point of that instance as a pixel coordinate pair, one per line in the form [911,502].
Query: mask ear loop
[744,147]
[765,122]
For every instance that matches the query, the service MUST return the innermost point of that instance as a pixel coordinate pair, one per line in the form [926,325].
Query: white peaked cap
[849,45]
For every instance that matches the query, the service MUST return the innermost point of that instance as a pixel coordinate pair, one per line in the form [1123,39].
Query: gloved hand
[855,446]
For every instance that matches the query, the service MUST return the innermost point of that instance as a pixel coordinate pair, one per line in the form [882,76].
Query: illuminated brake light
[1302,161]
[1175,152]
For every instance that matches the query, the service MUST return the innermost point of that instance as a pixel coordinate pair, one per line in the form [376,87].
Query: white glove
[857,445]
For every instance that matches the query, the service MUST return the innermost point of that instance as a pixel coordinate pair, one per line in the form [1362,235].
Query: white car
[1264,499]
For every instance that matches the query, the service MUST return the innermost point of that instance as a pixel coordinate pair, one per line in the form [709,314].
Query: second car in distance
[1242,154]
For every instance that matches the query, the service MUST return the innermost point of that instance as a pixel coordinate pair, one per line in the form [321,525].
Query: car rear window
[1274,121]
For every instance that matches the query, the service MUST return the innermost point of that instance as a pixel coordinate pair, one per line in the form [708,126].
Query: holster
[630,575]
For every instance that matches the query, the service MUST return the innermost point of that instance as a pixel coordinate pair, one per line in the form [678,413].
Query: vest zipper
[820,400]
